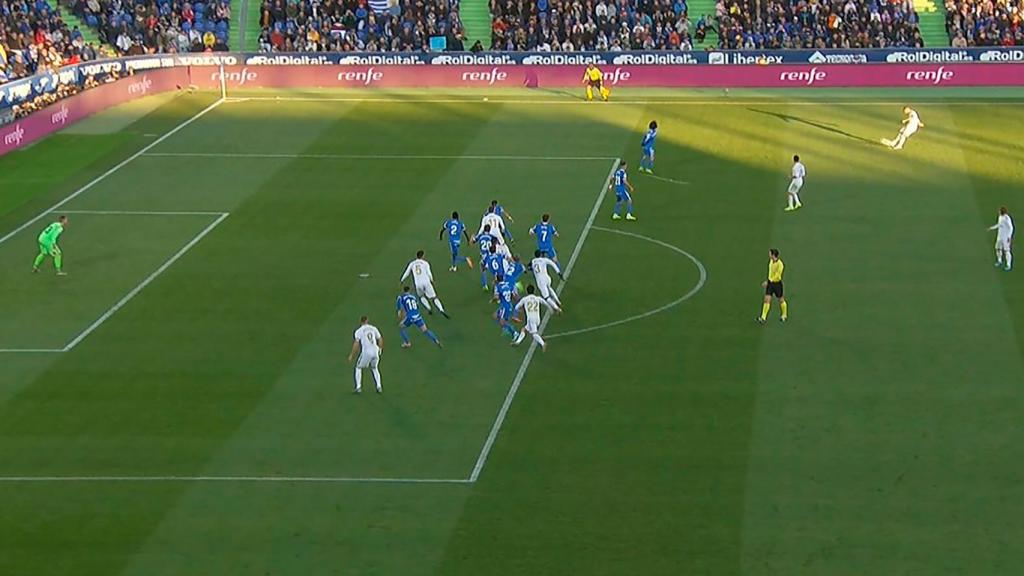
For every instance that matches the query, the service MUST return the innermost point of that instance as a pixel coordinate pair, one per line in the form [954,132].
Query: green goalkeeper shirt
[51,234]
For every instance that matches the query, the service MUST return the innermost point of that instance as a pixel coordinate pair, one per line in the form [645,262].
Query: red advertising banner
[27,130]
[725,76]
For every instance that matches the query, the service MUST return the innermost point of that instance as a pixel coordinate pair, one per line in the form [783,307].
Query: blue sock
[629,208]
[618,206]
[405,335]
[483,276]
[509,236]
[455,256]
[508,330]
[430,334]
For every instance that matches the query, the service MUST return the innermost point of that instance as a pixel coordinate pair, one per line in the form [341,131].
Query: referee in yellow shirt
[773,287]
[593,78]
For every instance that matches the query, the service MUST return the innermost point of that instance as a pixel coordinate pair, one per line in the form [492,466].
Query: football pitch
[181,403]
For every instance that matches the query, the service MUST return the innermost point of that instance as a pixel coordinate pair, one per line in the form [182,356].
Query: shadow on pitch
[818,125]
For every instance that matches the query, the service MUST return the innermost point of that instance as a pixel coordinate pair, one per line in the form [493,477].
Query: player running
[500,211]
[796,184]
[911,124]
[514,271]
[369,344]
[623,191]
[48,246]
[494,263]
[647,145]
[539,266]
[494,220]
[532,303]
[773,287]
[546,234]
[456,230]
[485,240]
[409,315]
[593,78]
[424,281]
[1004,235]
[504,295]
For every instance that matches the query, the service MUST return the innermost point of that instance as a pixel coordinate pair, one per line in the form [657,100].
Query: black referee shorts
[773,289]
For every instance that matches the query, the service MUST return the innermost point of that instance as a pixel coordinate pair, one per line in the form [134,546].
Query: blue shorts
[622,195]
[454,246]
[419,323]
[504,312]
[649,151]
[550,251]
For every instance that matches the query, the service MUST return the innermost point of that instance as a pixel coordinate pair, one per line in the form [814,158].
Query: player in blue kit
[647,160]
[494,263]
[546,234]
[485,240]
[623,190]
[513,271]
[456,230]
[500,211]
[504,295]
[409,315]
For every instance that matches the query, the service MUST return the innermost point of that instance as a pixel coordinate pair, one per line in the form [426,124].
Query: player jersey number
[543,235]
[454,231]
[418,269]
[411,304]
[532,307]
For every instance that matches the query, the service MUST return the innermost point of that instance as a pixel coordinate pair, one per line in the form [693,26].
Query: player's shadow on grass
[818,125]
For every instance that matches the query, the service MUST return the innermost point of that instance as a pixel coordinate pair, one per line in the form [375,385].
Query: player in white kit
[424,280]
[911,124]
[532,304]
[1004,235]
[496,222]
[368,344]
[539,266]
[796,184]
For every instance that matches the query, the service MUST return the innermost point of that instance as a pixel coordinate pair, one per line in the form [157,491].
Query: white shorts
[544,286]
[532,326]
[795,185]
[1003,244]
[368,361]
[426,290]
[908,131]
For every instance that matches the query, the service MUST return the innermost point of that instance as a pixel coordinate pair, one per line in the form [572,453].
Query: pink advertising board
[703,76]
[31,128]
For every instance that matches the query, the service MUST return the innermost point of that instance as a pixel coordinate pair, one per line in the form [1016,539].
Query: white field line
[142,285]
[30,350]
[723,101]
[481,460]
[693,291]
[139,213]
[253,479]
[104,176]
[371,156]
[663,179]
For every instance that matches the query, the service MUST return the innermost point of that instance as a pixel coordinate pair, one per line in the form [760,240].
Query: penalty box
[110,256]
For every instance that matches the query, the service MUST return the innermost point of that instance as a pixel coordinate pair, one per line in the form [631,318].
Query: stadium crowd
[356,25]
[34,38]
[985,23]
[817,24]
[143,27]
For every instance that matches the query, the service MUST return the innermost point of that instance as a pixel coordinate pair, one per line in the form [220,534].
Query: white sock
[376,378]
[790,200]
[426,303]
[554,303]
[1009,259]
[522,335]
[797,198]
[538,339]
[999,256]
[359,379]
[437,302]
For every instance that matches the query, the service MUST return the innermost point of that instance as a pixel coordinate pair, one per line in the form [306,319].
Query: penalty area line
[272,155]
[481,460]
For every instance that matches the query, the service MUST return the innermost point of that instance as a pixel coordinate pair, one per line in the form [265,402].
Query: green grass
[876,433]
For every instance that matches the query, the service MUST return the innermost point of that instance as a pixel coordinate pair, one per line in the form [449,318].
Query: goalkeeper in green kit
[48,246]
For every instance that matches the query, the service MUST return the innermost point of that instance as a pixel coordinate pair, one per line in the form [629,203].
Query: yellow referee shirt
[775,268]
[592,74]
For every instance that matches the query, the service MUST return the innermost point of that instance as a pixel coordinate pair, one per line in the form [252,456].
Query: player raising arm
[1004,235]
[539,266]
[48,246]
[368,343]
[424,280]
[532,304]
[456,230]
[409,315]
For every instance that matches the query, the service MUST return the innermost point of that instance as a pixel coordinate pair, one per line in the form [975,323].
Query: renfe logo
[14,137]
[616,76]
[366,78]
[494,75]
[933,77]
[61,115]
[239,78]
[808,77]
[140,86]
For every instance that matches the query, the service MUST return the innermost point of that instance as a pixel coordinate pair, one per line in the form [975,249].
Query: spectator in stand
[817,24]
[568,25]
[357,25]
[34,38]
[148,26]
[985,23]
